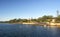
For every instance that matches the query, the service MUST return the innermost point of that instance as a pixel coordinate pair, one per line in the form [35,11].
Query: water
[20,30]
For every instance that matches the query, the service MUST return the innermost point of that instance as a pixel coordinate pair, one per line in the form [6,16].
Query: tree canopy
[40,19]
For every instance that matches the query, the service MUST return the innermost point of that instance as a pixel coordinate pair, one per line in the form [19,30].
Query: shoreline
[38,24]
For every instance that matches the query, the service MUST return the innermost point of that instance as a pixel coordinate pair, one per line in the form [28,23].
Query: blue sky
[10,9]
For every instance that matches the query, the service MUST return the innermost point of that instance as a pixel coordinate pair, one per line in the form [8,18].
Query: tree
[58,19]
[45,18]
[13,21]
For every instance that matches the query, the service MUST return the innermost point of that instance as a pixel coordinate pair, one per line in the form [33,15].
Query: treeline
[40,19]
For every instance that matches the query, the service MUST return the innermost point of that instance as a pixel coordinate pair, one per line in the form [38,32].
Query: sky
[10,9]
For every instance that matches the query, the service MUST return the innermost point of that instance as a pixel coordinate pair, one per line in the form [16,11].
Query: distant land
[40,20]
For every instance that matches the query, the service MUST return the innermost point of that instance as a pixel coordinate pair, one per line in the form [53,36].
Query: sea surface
[21,30]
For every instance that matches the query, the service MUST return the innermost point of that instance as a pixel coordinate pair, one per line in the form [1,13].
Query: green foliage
[40,19]
[58,19]
[45,18]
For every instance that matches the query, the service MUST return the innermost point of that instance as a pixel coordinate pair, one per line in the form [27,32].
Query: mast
[57,13]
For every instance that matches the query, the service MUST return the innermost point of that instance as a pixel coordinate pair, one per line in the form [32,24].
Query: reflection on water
[19,30]
[54,31]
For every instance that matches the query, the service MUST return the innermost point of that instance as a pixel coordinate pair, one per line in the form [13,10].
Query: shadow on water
[19,30]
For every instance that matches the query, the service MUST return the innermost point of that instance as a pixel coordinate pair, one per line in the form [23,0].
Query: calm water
[19,30]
